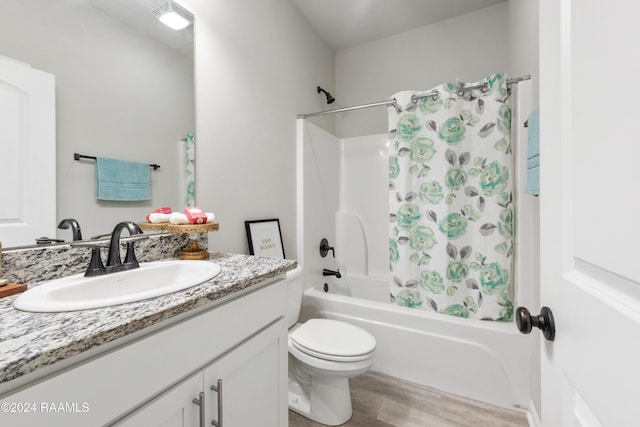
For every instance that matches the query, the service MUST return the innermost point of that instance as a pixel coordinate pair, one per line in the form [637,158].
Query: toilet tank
[294,295]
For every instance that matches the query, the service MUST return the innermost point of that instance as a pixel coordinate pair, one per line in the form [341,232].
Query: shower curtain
[451,205]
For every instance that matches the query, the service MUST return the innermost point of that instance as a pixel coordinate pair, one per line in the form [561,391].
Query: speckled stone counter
[29,341]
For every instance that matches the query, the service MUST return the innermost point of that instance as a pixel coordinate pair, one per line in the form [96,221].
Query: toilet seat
[333,340]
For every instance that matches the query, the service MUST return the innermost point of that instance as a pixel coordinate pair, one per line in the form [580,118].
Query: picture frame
[265,238]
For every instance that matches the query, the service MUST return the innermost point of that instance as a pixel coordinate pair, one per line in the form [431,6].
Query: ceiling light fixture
[173,15]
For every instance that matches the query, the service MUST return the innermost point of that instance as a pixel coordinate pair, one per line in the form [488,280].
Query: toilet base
[327,401]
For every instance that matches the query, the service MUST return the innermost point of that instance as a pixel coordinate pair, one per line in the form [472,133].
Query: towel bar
[77,156]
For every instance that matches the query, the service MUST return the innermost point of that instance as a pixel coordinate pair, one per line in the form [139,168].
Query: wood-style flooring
[379,400]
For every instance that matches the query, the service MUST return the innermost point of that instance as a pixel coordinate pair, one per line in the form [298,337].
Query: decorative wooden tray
[193,228]
[146,226]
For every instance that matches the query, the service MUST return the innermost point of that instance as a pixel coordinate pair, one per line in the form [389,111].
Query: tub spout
[336,273]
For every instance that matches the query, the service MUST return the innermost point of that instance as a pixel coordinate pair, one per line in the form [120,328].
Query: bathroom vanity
[213,354]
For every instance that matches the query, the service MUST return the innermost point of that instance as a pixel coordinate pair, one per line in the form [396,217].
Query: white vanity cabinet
[249,378]
[173,408]
[246,385]
[152,379]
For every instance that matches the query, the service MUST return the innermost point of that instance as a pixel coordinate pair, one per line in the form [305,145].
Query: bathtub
[481,360]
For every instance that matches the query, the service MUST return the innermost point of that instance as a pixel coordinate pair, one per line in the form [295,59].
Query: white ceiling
[137,14]
[346,23]
[340,23]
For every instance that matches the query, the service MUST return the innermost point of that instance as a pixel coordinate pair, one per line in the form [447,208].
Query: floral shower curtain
[451,205]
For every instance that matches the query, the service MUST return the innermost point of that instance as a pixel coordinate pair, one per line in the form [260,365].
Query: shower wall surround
[37,264]
[317,198]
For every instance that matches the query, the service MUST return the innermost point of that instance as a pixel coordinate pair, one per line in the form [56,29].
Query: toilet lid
[325,337]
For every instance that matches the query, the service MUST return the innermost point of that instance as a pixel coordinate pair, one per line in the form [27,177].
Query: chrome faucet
[336,273]
[114,261]
[75,227]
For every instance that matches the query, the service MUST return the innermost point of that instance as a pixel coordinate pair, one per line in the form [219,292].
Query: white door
[27,154]
[590,211]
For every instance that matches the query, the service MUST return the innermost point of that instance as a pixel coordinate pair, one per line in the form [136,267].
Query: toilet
[323,355]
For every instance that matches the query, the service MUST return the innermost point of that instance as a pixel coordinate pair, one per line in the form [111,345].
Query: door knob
[543,321]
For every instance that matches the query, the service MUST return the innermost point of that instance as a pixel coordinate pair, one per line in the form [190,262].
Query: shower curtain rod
[390,102]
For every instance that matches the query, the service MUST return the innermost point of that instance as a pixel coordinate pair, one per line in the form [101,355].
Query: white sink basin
[151,280]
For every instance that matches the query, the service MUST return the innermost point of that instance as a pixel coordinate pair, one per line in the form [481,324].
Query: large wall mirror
[124,87]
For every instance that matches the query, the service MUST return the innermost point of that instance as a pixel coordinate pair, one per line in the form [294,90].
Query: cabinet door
[253,379]
[174,408]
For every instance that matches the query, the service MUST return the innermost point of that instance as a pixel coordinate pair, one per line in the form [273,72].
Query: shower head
[330,99]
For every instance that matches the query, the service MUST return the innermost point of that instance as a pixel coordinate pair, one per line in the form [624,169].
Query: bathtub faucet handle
[325,248]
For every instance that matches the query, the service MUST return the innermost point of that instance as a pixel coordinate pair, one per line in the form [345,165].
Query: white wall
[523,41]
[469,47]
[119,94]
[257,66]
[364,194]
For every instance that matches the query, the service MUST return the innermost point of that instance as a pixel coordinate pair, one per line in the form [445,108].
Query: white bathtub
[482,360]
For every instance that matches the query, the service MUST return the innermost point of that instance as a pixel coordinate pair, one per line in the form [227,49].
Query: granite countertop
[29,341]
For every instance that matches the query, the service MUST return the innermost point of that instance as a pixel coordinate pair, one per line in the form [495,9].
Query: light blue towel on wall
[533,154]
[122,180]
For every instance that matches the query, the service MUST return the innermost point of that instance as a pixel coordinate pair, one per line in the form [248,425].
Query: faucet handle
[325,248]
[130,260]
[47,240]
[96,267]
[100,236]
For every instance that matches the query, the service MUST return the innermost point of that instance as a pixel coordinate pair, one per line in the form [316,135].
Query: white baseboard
[532,416]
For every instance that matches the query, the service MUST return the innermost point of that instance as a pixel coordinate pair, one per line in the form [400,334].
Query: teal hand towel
[122,180]
[533,154]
